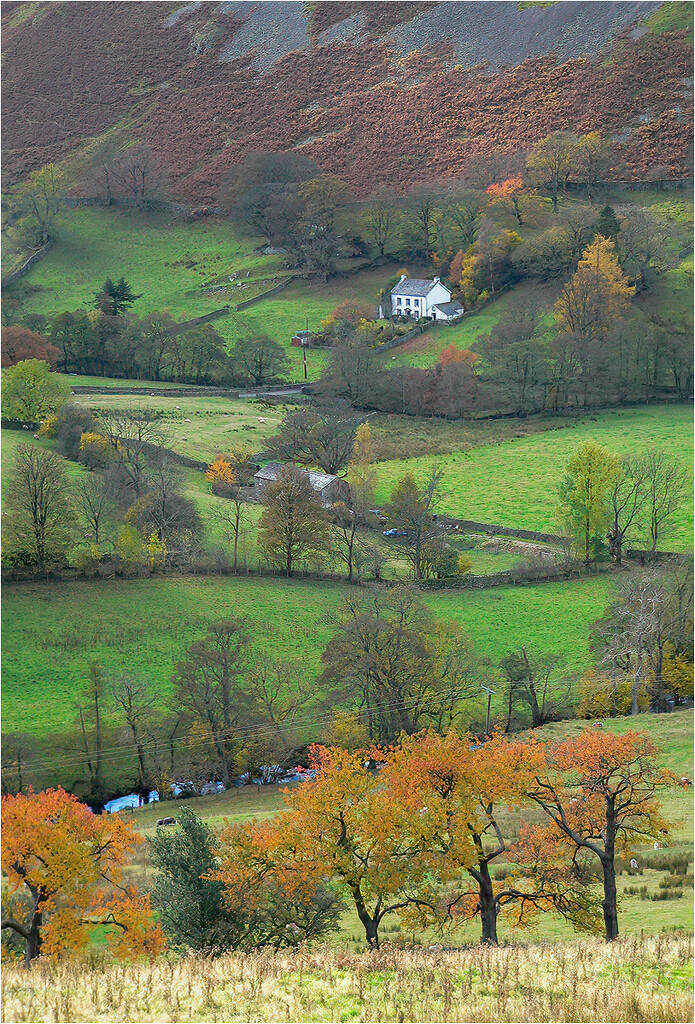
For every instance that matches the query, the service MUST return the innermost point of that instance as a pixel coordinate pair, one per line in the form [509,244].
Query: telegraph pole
[490,693]
[304,347]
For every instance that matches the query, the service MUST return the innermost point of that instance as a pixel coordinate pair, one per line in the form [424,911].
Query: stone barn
[328,487]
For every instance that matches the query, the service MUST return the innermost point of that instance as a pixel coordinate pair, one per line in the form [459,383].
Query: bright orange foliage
[69,863]
[339,826]
[451,354]
[599,774]
[600,793]
[220,471]
[505,189]
[452,797]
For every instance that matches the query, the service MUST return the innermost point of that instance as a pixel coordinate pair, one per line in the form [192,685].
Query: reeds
[634,979]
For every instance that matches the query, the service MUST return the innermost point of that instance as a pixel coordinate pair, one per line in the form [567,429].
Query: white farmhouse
[422,298]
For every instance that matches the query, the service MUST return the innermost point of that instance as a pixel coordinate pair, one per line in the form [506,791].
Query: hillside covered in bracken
[373,92]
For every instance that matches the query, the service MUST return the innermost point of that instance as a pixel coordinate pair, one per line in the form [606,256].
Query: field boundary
[266,295]
[28,264]
[198,321]
[506,531]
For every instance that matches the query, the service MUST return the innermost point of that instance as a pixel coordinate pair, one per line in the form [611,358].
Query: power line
[129,750]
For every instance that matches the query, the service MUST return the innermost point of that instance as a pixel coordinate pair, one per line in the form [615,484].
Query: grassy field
[168,262]
[634,980]
[513,483]
[84,380]
[201,428]
[10,440]
[51,630]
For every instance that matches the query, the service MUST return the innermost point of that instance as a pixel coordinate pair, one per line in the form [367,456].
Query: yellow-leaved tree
[597,294]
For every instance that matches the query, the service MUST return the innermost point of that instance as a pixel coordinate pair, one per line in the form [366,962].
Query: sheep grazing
[633,864]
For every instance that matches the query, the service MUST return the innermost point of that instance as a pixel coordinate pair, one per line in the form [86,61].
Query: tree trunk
[637,679]
[369,922]
[488,908]
[610,899]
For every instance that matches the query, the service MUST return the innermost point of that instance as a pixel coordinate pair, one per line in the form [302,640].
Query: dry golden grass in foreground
[643,979]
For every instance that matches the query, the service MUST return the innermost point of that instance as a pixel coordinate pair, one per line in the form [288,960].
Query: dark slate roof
[449,307]
[269,472]
[317,480]
[413,286]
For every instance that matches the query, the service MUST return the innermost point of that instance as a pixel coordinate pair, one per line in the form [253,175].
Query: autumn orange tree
[600,792]
[454,799]
[64,871]
[507,194]
[339,826]
[277,895]
[452,354]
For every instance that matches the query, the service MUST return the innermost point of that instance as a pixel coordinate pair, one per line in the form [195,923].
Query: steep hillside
[372,91]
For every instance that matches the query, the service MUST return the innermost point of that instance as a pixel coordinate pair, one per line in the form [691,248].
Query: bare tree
[139,173]
[230,517]
[651,616]
[530,680]
[411,509]
[94,501]
[206,684]
[345,522]
[134,699]
[665,484]
[19,751]
[424,206]
[133,432]
[626,501]
[294,523]
[379,216]
[90,713]
[274,695]
[322,435]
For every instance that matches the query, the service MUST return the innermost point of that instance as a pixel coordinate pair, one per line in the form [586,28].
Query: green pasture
[10,440]
[514,482]
[168,262]
[165,260]
[84,380]
[215,425]
[143,626]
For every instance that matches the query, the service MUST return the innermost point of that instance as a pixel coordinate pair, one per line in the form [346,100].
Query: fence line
[188,325]
[505,531]
[28,264]
[266,295]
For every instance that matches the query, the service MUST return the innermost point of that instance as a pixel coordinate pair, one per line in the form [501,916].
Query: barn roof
[317,480]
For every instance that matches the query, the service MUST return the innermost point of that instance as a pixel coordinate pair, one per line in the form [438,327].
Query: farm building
[329,488]
[301,339]
[419,297]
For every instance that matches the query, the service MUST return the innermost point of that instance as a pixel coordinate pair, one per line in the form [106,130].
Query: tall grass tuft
[635,979]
